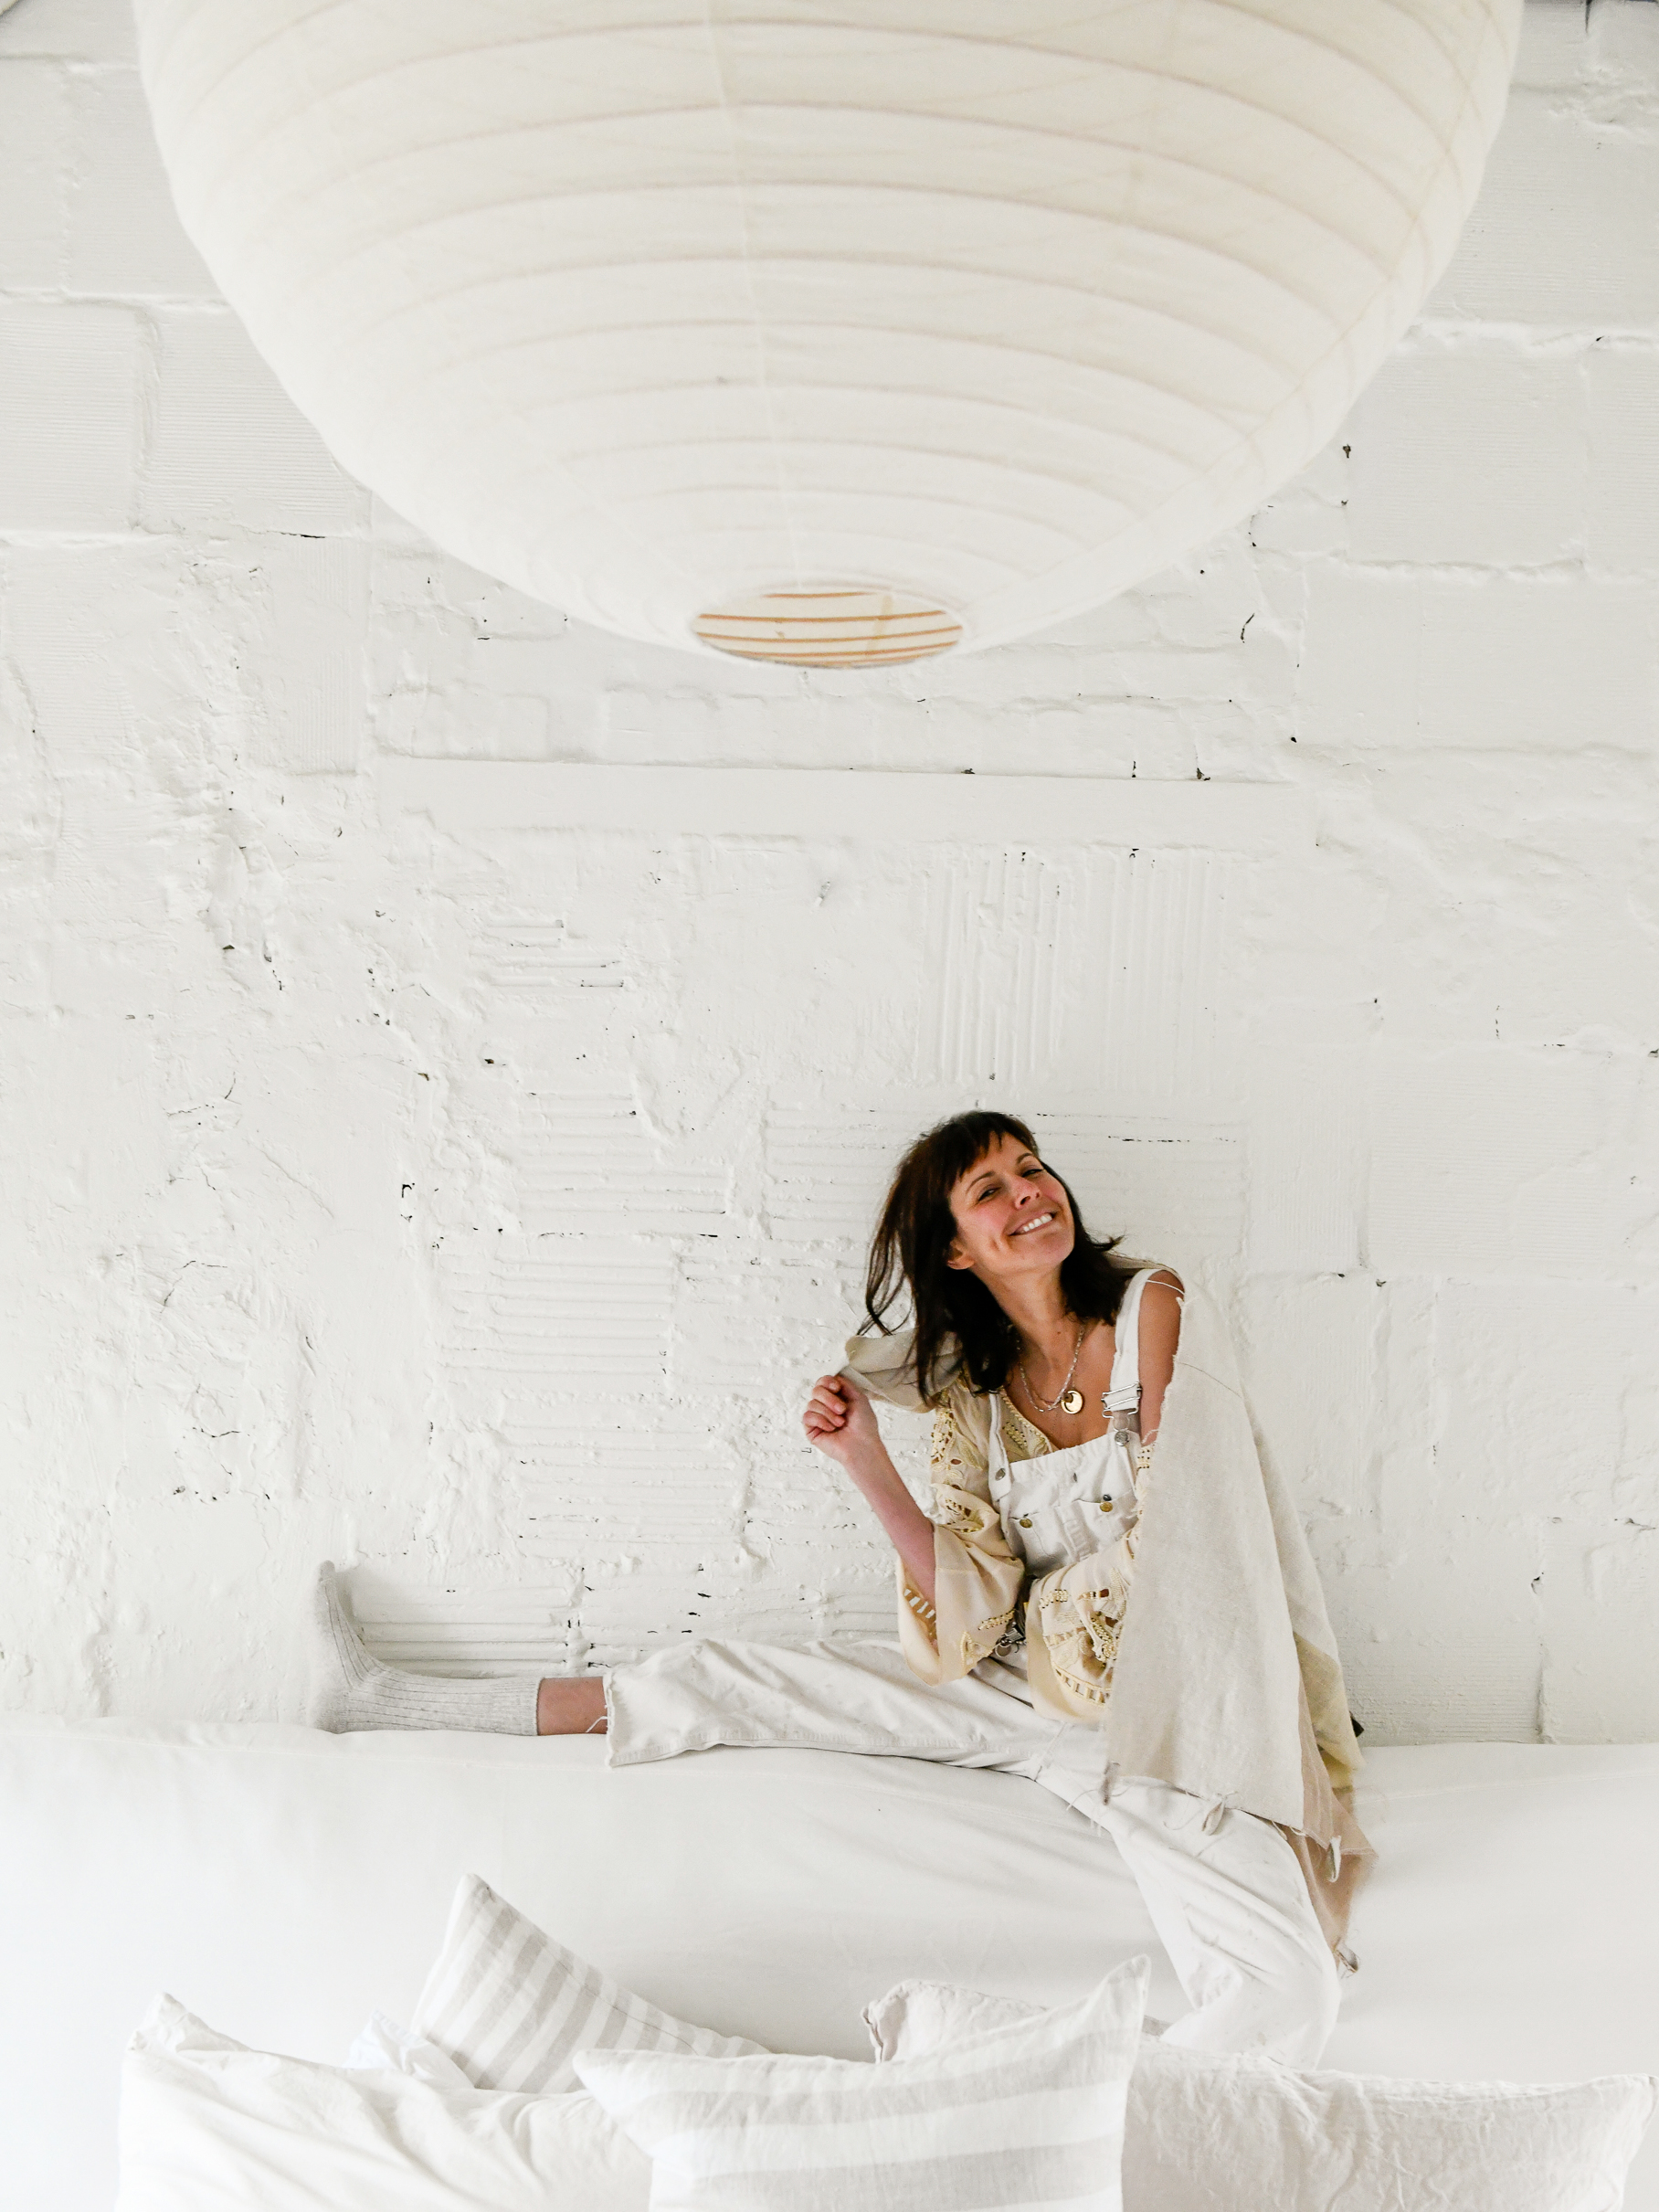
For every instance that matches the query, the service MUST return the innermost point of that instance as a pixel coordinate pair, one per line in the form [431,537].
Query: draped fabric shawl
[1226,1682]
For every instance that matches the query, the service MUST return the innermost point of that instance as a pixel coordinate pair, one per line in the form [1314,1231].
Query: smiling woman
[1143,1636]
[1015,1307]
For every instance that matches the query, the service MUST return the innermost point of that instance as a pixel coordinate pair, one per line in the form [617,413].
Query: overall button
[1106,1505]
[1025,1521]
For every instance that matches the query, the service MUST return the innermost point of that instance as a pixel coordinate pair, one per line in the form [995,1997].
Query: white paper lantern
[825,330]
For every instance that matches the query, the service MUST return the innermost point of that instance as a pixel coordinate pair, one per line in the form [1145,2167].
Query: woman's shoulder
[1162,1291]
[1155,1293]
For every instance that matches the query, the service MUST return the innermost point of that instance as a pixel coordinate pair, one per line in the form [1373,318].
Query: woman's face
[1011,1216]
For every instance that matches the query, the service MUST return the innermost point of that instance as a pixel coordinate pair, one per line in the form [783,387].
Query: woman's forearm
[908,1528]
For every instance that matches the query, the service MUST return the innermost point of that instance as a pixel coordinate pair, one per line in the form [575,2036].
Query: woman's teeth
[1041,1222]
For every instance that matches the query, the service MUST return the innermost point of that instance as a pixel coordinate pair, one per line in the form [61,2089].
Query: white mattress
[284,1885]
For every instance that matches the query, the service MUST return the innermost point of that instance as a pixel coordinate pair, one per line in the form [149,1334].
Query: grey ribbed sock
[352,1690]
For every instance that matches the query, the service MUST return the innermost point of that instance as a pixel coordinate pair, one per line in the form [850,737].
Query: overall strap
[1124,1397]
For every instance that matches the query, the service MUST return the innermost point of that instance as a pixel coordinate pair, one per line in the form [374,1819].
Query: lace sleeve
[976,1579]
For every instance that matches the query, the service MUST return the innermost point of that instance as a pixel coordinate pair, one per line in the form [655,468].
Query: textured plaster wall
[392,1173]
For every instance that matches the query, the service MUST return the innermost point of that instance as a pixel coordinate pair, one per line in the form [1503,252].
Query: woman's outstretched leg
[1227,1895]
[352,1690]
[854,1696]
[829,1696]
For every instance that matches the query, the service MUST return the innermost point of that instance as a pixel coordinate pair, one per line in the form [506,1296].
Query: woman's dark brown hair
[955,1317]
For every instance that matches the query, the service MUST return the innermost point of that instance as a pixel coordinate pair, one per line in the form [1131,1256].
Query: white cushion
[916,2017]
[1032,2114]
[284,1883]
[380,2043]
[512,2008]
[209,2126]
[1208,2134]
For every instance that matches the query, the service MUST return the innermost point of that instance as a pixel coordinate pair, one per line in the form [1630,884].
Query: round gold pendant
[1072,1402]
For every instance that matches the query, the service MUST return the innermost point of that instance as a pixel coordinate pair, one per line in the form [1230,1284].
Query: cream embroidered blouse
[979,1582]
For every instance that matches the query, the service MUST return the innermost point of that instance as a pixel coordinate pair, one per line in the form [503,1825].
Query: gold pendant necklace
[1069,1399]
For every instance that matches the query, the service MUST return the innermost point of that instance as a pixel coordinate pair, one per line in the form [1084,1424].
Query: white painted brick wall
[475,1201]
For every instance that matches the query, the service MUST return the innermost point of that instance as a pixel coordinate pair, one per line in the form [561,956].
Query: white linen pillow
[512,2008]
[207,2126]
[916,2017]
[1205,2134]
[1029,2116]
[380,2043]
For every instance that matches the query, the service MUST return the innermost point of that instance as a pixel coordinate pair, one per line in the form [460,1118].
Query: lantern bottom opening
[833,627]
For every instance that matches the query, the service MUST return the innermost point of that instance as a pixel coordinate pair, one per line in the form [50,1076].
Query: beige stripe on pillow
[511,2007]
[1026,2119]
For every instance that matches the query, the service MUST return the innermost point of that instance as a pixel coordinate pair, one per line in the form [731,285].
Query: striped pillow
[1027,2119]
[511,2007]
[1247,2133]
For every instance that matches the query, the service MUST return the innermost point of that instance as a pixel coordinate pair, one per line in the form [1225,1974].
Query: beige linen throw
[1226,1682]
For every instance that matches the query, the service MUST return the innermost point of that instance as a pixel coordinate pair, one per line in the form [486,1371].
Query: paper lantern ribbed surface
[825,330]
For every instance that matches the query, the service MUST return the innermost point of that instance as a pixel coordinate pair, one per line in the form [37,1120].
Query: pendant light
[831,332]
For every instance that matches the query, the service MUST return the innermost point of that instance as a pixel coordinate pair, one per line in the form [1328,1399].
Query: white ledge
[862,803]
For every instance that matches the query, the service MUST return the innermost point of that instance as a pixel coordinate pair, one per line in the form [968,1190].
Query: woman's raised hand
[840,1419]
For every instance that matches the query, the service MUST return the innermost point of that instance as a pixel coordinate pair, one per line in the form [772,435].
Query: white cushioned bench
[285,1884]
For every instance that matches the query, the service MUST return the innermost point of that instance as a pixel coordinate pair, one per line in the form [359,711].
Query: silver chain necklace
[1069,1400]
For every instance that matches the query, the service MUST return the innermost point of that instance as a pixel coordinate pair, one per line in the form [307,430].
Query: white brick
[303,624]
[1309,515]
[1362,654]
[100,639]
[1452,1649]
[1528,1431]
[1122,738]
[1548,990]
[1623,390]
[740,1319]
[1321,1441]
[1554,51]
[1561,662]
[1311,989]
[1464,956]
[71,396]
[1561,235]
[1601,1675]
[34,132]
[69,30]
[1397,659]
[1468,454]
[1600,1680]
[1488,1162]
[125,238]
[1623,44]
[1305,1184]
[229,446]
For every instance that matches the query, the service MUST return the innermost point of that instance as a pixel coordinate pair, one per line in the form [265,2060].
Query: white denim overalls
[1074,1504]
